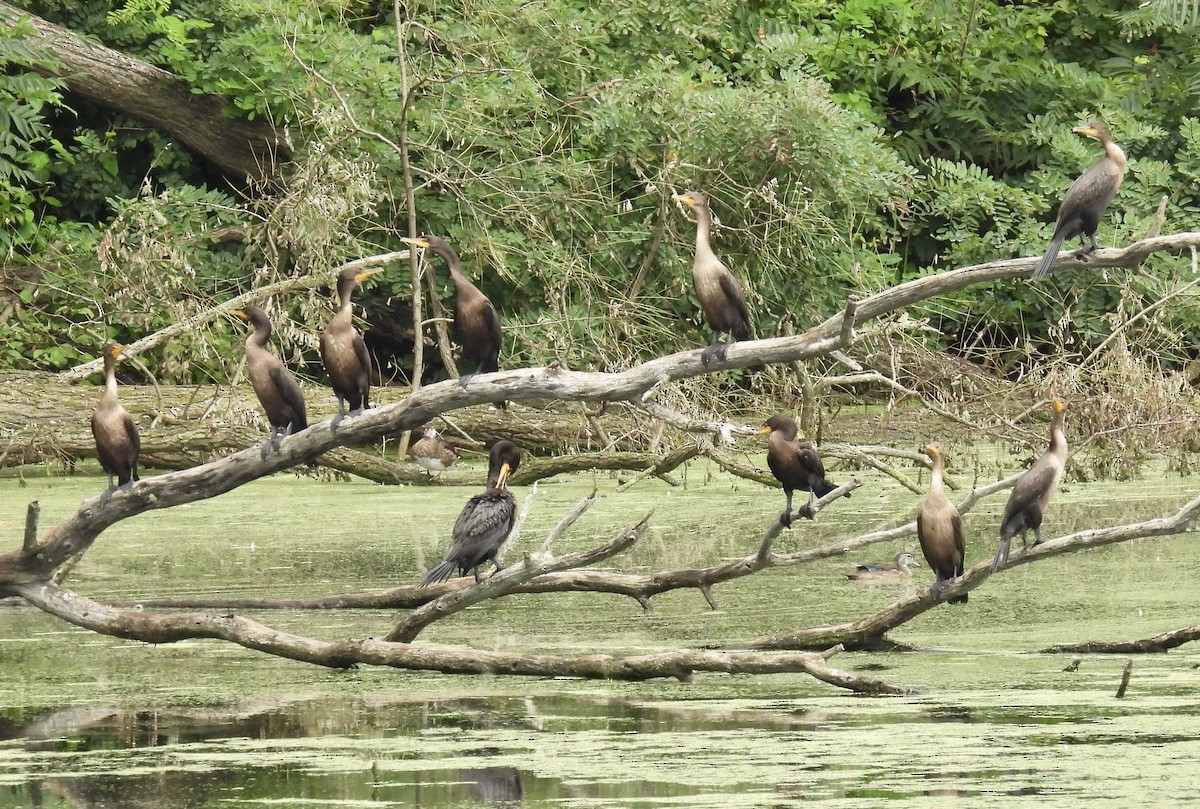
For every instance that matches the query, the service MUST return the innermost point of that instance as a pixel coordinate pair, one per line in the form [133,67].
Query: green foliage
[844,147]
[28,147]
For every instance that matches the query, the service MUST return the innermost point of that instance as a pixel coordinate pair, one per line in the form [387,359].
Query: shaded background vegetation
[844,148]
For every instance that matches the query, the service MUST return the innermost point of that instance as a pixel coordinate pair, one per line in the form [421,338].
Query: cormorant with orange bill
[344,353]
[276,388]
[485,521]
[117,441]
[1087,198]
[720,294]
[1027,502]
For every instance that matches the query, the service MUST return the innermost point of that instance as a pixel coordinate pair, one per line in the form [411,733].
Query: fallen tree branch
[681,664]
[868,632]
[1158,643]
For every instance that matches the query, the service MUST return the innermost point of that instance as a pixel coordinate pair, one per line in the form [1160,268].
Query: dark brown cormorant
[898,570]
[485,520]
[940,530]
[117,441]
[276,388]
[476,325]
[1027,502]
[433,452]
[1087,198]
[344,352]
[795,464]
[720,295]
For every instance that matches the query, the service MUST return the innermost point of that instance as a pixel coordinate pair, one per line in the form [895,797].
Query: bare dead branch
[1158,643]
[29,543]
[150,627]
[867,631]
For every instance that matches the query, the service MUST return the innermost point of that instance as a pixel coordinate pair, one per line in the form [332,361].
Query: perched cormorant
[117,441]
[485,520]
[344,352]
[898,570]
[433,453]
[1027,502]
[1086,199]
[940,529]
[476,325]
[276,388]
[795,464]
[720,295]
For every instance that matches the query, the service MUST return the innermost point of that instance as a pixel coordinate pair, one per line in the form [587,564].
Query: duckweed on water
[89,720]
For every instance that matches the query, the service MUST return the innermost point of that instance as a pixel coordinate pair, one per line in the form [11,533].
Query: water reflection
[542,752]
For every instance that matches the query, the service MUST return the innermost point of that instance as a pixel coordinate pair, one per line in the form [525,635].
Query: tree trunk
[241,148]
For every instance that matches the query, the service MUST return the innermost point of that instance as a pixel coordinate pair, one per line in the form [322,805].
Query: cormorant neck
[260,335]
[935,480]
[703,227]
[110,376]
[1115,154]
[1058,438]
[345,294]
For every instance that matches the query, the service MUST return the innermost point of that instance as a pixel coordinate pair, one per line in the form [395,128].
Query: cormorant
[344,353]
[1087,198]
[485,521]
[720,295]
[117,441]
[476,325]
[795,464]
[276,388]
[1027,502]
[898,570]
[940,529]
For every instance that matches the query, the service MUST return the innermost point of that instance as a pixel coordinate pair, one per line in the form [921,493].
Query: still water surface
[98,722]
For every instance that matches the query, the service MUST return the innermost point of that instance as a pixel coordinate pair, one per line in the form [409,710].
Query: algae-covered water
[87,720]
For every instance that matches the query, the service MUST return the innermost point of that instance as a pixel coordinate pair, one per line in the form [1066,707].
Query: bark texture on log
[244,149]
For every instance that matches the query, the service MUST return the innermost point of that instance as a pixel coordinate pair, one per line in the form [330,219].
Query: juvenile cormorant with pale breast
[720,294]
[1027,502]
[344,353]
[1087,198]
[485,520]
[276,388]
[117,441]
[940,529]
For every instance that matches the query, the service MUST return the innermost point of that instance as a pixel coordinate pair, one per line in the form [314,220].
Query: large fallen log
[243,148]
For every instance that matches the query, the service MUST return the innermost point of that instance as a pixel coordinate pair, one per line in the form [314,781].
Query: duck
[898,570]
